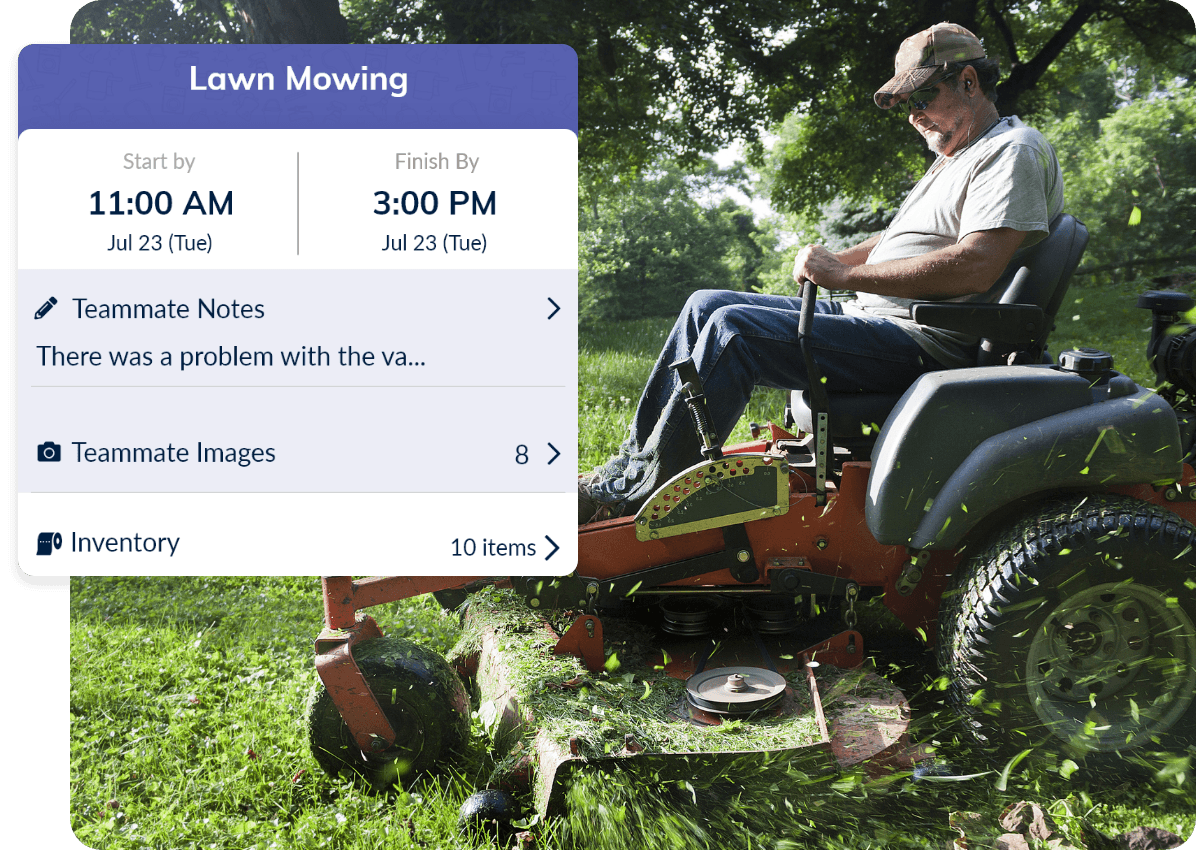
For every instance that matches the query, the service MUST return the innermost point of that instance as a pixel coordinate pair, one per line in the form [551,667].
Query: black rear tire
[1074,630]
[421,696]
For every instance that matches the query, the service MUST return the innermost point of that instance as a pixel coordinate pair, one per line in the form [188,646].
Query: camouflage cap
[924,55]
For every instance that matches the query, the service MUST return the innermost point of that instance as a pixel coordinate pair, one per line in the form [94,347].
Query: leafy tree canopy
[1109,81]
[682,78]
[154,22]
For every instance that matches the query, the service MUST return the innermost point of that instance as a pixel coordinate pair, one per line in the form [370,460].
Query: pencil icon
[45,308]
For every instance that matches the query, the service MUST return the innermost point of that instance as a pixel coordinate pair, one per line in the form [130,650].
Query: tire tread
[1013,561]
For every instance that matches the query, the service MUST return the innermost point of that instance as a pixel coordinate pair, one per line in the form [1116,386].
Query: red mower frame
[828,548]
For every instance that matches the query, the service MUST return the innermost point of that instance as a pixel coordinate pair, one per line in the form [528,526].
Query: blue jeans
[741,340]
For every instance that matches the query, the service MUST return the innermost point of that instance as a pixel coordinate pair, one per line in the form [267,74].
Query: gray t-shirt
[1009,177]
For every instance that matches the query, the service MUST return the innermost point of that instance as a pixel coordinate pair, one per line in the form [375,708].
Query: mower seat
[1013,323]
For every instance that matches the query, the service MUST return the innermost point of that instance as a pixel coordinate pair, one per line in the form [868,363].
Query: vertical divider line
[296,203]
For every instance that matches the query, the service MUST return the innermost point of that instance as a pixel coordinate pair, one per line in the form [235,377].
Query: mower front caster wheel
[491,811]
[421,696]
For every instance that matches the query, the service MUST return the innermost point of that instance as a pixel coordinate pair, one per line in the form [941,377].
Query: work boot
[590,508]
[605,493]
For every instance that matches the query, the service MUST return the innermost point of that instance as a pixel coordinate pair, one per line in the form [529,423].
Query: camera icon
[49,452]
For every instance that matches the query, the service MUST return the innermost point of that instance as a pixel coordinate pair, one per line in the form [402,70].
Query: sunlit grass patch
[186,709]
[1105,316]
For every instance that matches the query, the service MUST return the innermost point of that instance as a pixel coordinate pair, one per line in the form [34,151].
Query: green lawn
[187,697]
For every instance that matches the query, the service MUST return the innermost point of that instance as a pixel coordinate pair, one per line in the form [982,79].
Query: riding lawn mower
[1030,519]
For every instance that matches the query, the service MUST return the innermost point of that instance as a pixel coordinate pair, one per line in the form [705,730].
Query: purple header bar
[450,86]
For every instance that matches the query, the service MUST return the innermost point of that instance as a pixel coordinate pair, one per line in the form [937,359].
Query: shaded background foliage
[646,243]
[1133,175]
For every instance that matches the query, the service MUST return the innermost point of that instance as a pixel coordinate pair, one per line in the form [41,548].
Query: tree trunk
[1023,76]
[293,21]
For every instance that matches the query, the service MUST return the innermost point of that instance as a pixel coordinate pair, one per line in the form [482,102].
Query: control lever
[819,403]
[695,398]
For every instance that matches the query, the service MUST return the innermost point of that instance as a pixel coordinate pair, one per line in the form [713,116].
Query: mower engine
[1172,355]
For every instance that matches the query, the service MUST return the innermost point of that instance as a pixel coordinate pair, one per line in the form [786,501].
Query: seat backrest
[1039,276]
[1049,266]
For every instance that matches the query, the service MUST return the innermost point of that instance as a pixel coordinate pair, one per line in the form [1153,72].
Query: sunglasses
[921,98]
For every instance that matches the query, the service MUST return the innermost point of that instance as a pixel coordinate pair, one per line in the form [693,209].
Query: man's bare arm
[968,267]
[857,255]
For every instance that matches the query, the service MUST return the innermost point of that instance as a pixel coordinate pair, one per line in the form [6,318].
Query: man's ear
[969,81]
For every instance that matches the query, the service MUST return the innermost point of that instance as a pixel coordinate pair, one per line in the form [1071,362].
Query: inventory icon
[48,541]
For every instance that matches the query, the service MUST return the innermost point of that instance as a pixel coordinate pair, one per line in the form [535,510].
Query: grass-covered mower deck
[1031,521]
[675,705]
[681,686]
